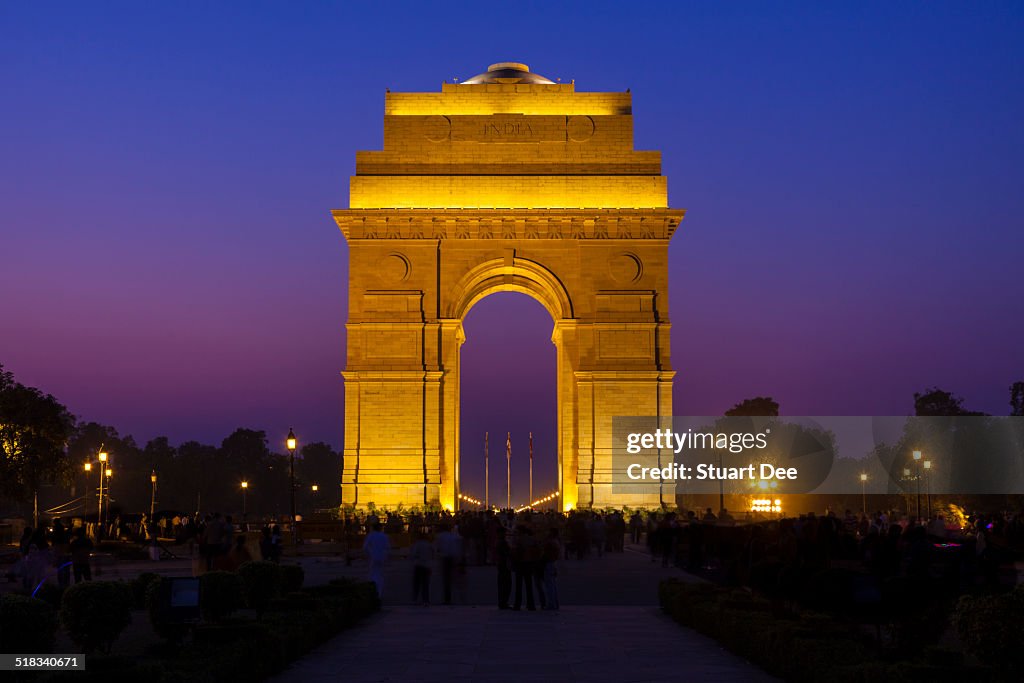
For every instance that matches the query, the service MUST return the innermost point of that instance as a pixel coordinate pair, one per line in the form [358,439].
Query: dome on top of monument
[507,72]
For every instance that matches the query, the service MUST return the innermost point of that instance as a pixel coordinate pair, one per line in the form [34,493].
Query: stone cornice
[434,224]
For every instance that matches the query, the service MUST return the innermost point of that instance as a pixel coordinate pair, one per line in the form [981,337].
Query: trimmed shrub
[94,613]
[27,625]
[991,627]
[917,618]
[292,577]
[262,583]
[51,594]
[220,594]
[238,648]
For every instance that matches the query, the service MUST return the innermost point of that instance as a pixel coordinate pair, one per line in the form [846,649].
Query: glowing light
[291,442]
[863,477]
[765,505]
[315,488]
[88,467]
[152,477]
[917,455]
[545,499]
[525,192]
[469,499]
[559,100]
[103,457]
[245,484]
[110,471]
[927,464]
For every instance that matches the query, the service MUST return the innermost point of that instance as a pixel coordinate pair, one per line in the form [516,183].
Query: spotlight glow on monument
[507,181]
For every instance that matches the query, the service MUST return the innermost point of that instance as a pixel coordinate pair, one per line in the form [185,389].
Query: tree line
[45,449]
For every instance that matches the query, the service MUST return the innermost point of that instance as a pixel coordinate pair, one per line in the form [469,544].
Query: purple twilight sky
[852,173]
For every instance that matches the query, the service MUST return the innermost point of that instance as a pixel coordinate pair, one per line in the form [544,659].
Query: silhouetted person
[449,549]
[238,555]
[81,549]
[522,555]
[552,551]
[636,525]
[422,556]
[503,559]
[60,539]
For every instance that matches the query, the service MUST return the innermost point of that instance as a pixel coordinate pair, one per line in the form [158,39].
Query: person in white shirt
[377,548]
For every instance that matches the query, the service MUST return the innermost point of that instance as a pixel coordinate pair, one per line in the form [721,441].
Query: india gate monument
[506,181]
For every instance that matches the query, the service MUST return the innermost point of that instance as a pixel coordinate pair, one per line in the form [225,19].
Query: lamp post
[99,503]
[864,493]
[152,498]
[928,485]
[917,462]
[315,488]
[291,442]
[245,489]
[109,471]
[906,494]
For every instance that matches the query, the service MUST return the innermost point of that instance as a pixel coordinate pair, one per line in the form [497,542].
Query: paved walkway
[609,629]
[463,644]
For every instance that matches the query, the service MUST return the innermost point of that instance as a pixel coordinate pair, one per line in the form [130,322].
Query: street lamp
[906,493]
[315,488]
[864,493]
[99,508]
[109,471]
[291,442]
[917,462]
[928,485]
[245,489]
[152,498]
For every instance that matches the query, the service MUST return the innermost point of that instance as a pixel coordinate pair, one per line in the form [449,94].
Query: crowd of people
[212,541]
[66,550]
[525,548]
[883,544]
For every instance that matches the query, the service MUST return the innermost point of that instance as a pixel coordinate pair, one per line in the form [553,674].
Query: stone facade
[501,186]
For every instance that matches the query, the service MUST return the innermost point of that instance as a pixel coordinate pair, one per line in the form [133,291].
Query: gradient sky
[853,175]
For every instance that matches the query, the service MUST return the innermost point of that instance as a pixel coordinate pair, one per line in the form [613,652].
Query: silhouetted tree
[1017,399]
[760,406]
[320,465]
[34,430]
[245,447]
[935,402]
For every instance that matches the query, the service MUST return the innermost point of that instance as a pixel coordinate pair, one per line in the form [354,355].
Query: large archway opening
[508,374]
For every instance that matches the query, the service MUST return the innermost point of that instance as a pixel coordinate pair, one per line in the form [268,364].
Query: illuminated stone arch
[511,275]
[506,195]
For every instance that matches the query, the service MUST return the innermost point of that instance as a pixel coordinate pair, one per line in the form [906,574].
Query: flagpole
[487,477]
[531,468]
[508,470]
